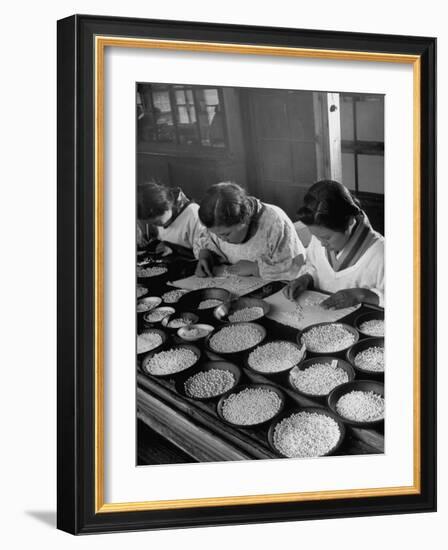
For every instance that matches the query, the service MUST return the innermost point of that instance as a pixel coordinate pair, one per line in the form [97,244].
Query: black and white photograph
[232,200]
[259,273]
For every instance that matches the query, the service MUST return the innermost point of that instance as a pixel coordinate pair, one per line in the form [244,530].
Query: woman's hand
[349,297]
[163,250]
[220,270]
[244,268]
[204,267]
[295,288]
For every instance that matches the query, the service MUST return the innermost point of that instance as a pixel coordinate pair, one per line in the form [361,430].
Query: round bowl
[338,352]
[369,316]
[147,316]
[318,410]
[188,318]
[223,311]
[149,302]
[204,367]
[273,374]
[162,334]
[360,346]
[181,291]
[327,360]
[149,356]
[202,331]
[143,291]
[155,280]
[355,385]
[238,389]
[191,301]
[239,326]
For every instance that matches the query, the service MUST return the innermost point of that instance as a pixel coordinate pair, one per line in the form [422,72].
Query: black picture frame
[76,512]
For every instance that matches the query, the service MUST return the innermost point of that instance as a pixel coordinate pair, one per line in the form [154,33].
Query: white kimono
[367,272]
[184,230]
[273,247]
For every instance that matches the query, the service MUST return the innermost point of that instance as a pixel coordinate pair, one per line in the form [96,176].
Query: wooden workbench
[196,430]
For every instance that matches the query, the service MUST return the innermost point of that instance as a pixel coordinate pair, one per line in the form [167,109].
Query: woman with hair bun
[345,256]
[244,236]
[166,214]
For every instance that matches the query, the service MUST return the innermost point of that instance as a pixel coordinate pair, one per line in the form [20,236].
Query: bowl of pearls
[328,338]
[359,403]
[241,310]
[310,432]
[367,358]
[208,380]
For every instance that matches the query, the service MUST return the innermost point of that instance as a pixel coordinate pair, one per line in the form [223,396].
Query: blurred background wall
[276,143]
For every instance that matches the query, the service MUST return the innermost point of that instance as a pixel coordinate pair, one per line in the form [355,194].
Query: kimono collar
[257,208]
[181,202]
[361,239]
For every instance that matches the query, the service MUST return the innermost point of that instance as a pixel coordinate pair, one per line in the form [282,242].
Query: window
[180,115]
[362,142]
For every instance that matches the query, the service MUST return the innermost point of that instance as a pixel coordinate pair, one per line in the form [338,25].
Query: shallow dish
[194,333]
[159,347]
[369,316]
[141,291]
[235,328]
[187,317]
[326,360]
[356,385]
[275,373]
[172,297]
[205,367]
[239,389]
[192,300]
[149,356]
[311,410]
[152,280]
[167,311]
[360,346]
[347,328]
[149,303]
[226,310]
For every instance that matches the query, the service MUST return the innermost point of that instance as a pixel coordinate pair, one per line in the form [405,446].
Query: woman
[345,255]
[244,236]
[166,214]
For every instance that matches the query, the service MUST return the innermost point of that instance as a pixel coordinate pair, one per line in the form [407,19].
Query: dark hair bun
[225,204]
[330,204]
[153,200]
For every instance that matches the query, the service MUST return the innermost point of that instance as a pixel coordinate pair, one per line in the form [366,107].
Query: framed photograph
[246,274]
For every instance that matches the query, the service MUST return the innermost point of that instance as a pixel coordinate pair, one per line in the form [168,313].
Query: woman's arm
[349,297]
[205,241]
[282,247]
[371,284]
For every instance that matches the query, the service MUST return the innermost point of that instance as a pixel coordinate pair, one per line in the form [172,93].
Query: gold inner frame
[101,42]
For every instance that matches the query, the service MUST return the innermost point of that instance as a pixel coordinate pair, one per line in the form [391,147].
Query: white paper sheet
[234,284]
[305,312]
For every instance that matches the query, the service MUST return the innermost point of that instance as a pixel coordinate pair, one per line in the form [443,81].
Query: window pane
[178,114]
[186,116]
[346,105]
[211,117]
[180,97]
[371,173]
[370,119]
[154,116]
[348,170]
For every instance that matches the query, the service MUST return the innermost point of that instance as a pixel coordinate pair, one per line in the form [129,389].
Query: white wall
[28,224]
